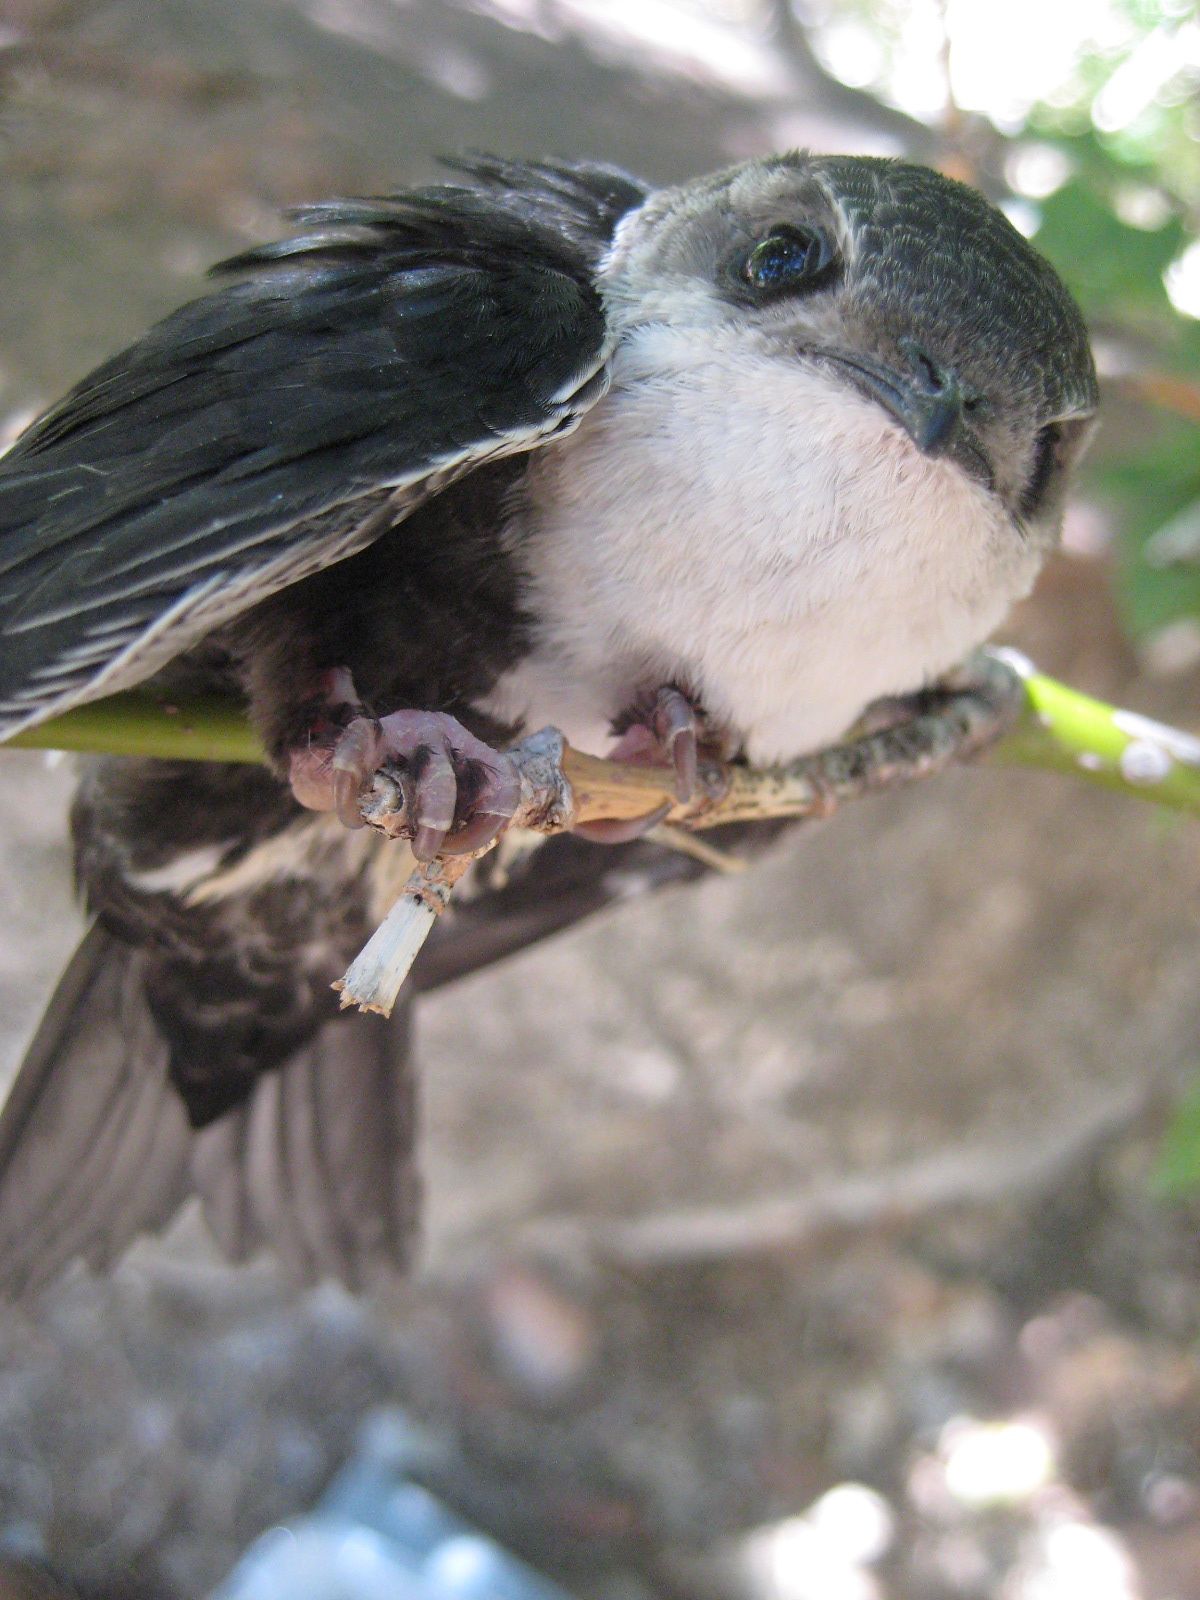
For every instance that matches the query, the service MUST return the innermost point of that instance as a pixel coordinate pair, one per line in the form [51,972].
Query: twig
[891,1198]
[561,787]
[1065,731]
[375,977]
[1004,705]
[141,724]
[1061,730]
[1166,390]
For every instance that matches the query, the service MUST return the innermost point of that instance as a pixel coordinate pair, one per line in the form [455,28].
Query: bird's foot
[458,793]
[661,728]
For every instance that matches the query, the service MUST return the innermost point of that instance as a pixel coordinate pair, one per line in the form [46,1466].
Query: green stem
[1062,730]
[137,724]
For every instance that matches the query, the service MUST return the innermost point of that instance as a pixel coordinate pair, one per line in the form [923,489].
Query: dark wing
[134,1098]
[96,1148]
[282,423]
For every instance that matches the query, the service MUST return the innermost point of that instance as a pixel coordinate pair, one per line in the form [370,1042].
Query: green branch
[1060,730]
[138,724]
[1063,730]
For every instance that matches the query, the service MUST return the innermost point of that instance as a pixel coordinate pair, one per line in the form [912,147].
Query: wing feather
[287,420]
[83,1090]
[96,1148]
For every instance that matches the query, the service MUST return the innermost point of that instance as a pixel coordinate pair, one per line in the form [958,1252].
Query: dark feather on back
[242,444]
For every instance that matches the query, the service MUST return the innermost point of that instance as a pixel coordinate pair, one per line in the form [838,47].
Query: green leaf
[1177,1170]
[1148,482]
[1115,270]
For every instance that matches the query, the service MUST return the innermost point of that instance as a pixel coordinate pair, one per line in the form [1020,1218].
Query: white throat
[756,532]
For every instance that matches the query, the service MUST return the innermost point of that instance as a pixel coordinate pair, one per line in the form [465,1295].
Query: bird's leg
[458,792]
[661,728]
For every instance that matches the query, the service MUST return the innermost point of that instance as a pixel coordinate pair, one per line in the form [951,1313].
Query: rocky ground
[836,1173]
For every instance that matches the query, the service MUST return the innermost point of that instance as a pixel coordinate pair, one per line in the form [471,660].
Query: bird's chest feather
[758,534]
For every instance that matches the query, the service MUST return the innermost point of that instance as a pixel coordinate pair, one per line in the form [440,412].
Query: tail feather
[90,1097]
[96,1147]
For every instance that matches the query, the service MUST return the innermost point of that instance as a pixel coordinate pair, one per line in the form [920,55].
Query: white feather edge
[222,596]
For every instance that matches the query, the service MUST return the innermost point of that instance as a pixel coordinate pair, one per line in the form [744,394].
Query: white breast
[755,531]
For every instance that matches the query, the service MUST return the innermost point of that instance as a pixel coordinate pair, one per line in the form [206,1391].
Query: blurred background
[828,1233]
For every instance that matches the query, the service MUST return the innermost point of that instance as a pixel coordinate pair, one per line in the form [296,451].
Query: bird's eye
[1045,457]
[789,258]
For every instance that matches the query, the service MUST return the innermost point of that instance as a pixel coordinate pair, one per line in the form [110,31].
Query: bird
[704,468]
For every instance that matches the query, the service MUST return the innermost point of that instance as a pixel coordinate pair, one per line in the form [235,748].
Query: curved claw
[347,787]
[674,722]
[492,809]
[612,831]
[355,758]
[664,724]
[434,797]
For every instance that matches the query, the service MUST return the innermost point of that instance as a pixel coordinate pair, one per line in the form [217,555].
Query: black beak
[928,405]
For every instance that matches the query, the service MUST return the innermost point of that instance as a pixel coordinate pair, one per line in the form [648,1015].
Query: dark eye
[1045,456]
[789,258]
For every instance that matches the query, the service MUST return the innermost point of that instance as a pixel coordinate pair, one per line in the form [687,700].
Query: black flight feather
[287,420]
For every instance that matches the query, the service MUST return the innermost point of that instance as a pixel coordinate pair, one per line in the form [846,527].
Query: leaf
[1115,270]
[1177,1170]
[1177,542]
[1148,481]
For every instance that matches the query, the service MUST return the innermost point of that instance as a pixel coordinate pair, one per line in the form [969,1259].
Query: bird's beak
[929,408]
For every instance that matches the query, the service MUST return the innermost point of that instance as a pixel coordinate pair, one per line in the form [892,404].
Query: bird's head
[900,286]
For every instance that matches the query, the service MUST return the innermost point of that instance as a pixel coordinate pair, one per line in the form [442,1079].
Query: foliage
[1177,1171]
